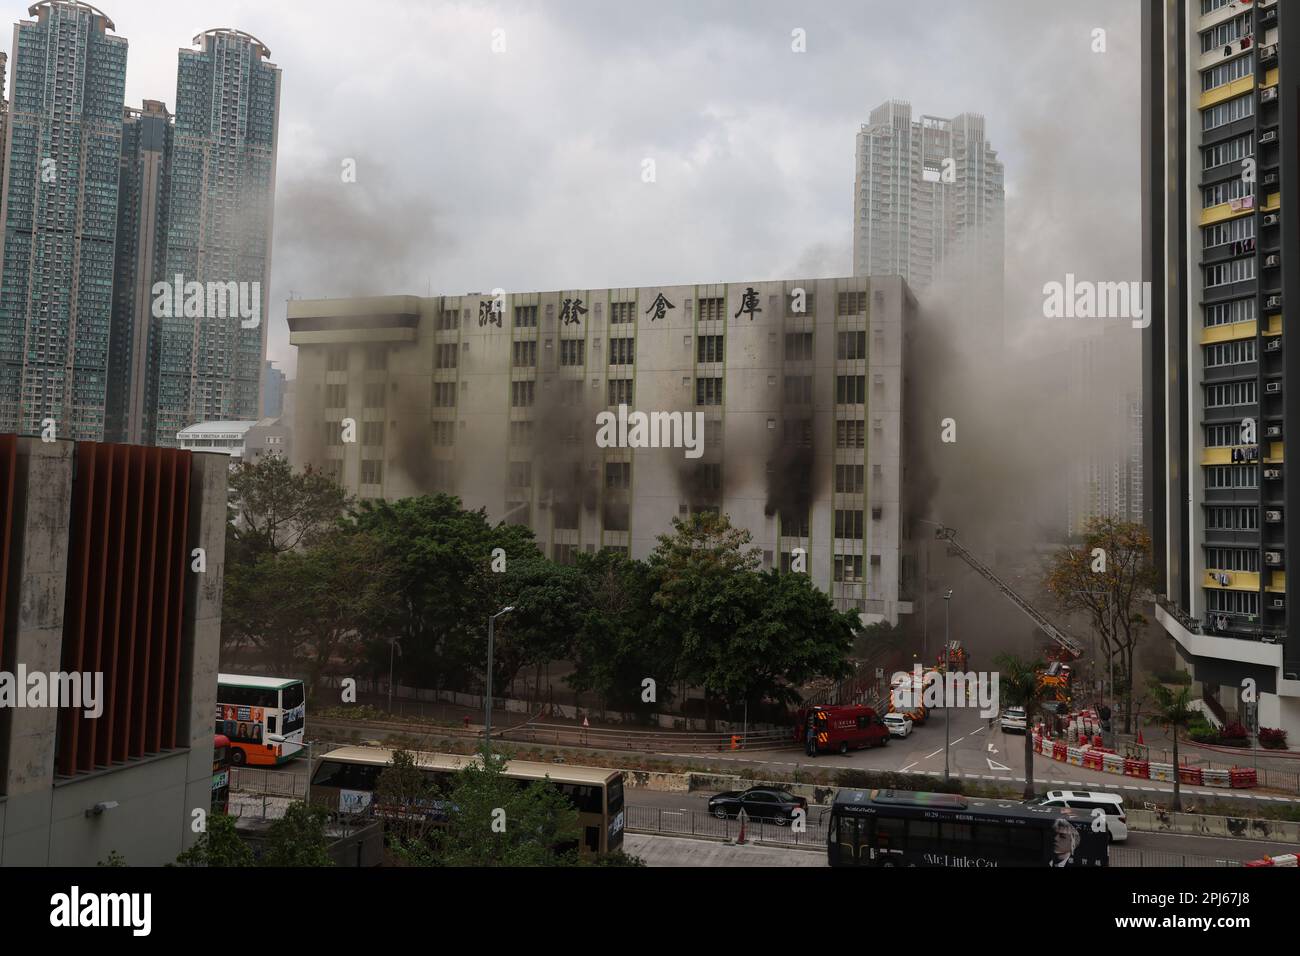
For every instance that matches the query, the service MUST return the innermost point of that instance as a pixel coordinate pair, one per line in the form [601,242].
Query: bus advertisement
[220,774]
[905,828]
[251,710]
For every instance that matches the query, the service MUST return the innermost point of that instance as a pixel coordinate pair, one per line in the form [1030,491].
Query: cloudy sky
[522,169]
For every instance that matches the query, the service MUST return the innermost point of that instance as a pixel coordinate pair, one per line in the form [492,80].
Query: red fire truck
[841,728]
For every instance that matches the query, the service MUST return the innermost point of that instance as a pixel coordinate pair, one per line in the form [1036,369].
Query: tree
[1173,709]
[277,509]
[444,586]
[1109,578]
[1018,686]
[495,822]
[547,606]
[402,795]
[298,838]
[617,644]
[218,845]
[312,604]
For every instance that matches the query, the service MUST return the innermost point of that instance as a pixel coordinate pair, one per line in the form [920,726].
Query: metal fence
[271,783]
[697,824]
[1124,856]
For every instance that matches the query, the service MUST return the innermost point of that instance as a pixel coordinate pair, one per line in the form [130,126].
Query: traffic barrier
[1190,775]
[1216,778]
[1286,859]
[1074,757]
[1112,763]
[1264,862]
[1093,760]
[1058,750]
[1163,772]
[1242,777]
[1096,740]
[1135,768]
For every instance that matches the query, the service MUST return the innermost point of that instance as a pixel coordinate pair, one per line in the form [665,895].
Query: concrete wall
[43,820]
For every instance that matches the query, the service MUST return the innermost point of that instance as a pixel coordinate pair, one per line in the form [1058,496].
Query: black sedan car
[759,803]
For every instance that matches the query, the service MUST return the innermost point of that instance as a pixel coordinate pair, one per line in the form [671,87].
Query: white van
[1112,804]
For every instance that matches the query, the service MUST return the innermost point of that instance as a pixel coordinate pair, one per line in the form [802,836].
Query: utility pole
[947,704]
[487,699]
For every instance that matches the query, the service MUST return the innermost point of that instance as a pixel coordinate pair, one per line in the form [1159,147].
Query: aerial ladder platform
[1074,648]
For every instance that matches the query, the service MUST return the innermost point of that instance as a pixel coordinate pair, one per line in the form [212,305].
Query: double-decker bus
[251,709]
[344,781]
[841,728]
[905,828]
[220,774]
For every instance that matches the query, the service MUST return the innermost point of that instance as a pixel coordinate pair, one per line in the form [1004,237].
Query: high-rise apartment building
[145,176]
[1221,241]
[273,381]
[928,200]
[58,218]
[798,383]
[219,233]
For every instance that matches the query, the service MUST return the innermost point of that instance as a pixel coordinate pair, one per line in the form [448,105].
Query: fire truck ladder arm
[1052,631]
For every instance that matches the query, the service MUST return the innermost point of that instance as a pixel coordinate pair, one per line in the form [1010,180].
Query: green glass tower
[58,219]
[221,194]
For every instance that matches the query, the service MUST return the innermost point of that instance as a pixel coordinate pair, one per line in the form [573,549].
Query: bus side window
[889,833]
[592,839]
[270,724]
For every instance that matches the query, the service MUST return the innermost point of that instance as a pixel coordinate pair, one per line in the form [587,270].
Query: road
[980,753]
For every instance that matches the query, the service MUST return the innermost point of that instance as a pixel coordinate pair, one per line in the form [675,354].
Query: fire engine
[841,728]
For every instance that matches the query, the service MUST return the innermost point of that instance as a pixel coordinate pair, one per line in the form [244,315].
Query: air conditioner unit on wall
[1268,94]
[1272,473]
[1278,603]
[1270,219]
[1273,557]
[1272,260]
[1273,388]
[1273,515]
[1268,136]
[1273,302]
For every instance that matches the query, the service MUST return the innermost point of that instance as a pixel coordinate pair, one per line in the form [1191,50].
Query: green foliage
[218,845]
[1018,686]
[618,858]
[298,838]
[114,859]
[856,779]
[401,794]
[497,822]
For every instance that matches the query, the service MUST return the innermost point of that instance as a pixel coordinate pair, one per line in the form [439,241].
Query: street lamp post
[947,704]
[392,648]
[487,701]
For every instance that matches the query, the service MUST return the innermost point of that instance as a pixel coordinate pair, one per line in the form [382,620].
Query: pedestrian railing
[694,823]
[1124,856]
[271,783]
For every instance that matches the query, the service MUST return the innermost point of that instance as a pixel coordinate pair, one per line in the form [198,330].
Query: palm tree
[1173,709]
[1018,687]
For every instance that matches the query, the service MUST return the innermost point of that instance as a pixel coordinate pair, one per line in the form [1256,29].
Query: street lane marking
[958,740]
[935,754]
[909,766]
[994,765]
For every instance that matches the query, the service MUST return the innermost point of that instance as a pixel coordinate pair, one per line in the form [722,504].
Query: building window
[798,346]
[1227,313]
[708,348]
[1223,34]
[521,474]
[1231,559]
[444,434]
[848,524]
[573,352]
[372,472]
[445,356]
[524,353]
[337,360]
[849,479]
[712,310]
[621,313]
[336,396]
[377,358]
[616,516]
[522,394]
[521,433]
[444,394]
[1220,154]
[1231,393]
[448,319]
[798,390]
[1226,601]
[851,345]
[620,391]
[708,477]
[1232,518]
[566,554]
[850,389]
[848,568]
[618,474]
[1236,352]
[525,316]
[375,395]
[372,433]
[1228,112]
[708,391]
[851,303]
[797,431]
[850,434]
[622,351]
[1231,476]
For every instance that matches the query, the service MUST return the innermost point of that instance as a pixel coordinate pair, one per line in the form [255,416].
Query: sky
[522,169]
